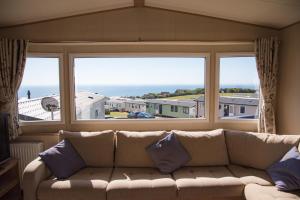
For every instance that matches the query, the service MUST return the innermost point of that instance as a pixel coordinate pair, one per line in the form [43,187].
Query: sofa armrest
[34,173]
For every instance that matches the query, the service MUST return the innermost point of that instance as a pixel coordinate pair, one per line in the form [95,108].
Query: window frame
[175,108]
[242,108]
[62,120]
[185,110]
[172,108]
[207,75]
[220,55]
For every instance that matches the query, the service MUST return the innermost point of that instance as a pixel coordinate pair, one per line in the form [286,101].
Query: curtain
[266,51]
[12,64]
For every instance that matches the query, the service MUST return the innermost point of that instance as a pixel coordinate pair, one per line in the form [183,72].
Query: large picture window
[139,87]
[238,87]
[39,94]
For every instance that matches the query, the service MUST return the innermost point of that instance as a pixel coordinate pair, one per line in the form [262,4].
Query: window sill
[131,121]
[240,121]
[38,123]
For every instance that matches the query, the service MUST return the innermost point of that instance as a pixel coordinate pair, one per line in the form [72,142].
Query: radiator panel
[25,152]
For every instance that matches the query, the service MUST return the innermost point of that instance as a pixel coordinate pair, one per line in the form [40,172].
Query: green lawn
[251,95]
[185,97]
[118,114]
[191,97]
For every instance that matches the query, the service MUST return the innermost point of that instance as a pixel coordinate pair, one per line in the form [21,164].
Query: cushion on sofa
[286,172]
[249,175]
[62,159]
[168,154]
[131,148]
[258,192]
[257,150]
[88,183]
[207,183]
[96,148]
[140,184]
[206,148]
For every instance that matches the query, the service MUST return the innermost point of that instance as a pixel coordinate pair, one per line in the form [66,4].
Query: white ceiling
[270,13]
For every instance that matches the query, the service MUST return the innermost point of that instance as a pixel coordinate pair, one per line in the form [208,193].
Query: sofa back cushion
[131,148]
[96,148]
[257,150]
[206,148]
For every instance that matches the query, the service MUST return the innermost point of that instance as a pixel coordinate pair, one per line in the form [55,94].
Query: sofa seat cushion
[258,192]
[249,175]
[207,183]
[88,183]
[140,184]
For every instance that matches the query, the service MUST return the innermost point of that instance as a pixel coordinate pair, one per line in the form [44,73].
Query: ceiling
[269,13]
[14,12]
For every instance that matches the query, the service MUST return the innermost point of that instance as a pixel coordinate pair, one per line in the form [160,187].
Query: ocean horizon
[115,90]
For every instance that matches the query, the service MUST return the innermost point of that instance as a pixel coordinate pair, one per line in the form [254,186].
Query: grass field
[191,97]
[184,97]
[118,114]
[251,95]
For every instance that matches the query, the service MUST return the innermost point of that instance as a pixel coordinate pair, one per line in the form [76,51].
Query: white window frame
[219,55]
[60,57]
[72,56]
[185,110]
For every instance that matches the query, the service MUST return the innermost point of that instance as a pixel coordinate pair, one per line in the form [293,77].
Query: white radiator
[25,152]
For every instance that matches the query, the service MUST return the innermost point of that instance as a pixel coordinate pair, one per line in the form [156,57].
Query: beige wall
[288,101]
[138,24]
[48,139]
[134,24]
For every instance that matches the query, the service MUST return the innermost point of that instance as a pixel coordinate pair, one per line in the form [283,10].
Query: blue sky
[238,70]
[41,71]
[140,71]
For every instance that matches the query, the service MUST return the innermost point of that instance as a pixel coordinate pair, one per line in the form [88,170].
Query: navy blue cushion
[168,154]
[62,159]
[286,172]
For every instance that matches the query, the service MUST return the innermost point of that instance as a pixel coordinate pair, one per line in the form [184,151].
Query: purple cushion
[286,172]
[62,159]
[168,154]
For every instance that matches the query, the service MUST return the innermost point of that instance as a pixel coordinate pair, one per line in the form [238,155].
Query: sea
[114,90]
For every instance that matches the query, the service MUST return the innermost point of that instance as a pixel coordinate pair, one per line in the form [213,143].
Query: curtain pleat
[266,50]
[12,64]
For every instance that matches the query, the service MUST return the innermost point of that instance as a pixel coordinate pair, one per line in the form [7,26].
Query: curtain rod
[71,43]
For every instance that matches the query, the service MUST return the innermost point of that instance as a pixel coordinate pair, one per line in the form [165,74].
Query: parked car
[144,115]
[114,110]
[131,115]
[140,115]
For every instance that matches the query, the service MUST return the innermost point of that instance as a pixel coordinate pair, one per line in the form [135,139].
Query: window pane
[135,88]
[39,94]
[239,87]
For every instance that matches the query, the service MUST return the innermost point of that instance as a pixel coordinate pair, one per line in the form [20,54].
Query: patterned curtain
[12,64]
[266,50]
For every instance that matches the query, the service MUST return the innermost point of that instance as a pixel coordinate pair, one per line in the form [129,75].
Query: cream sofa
[223,165]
